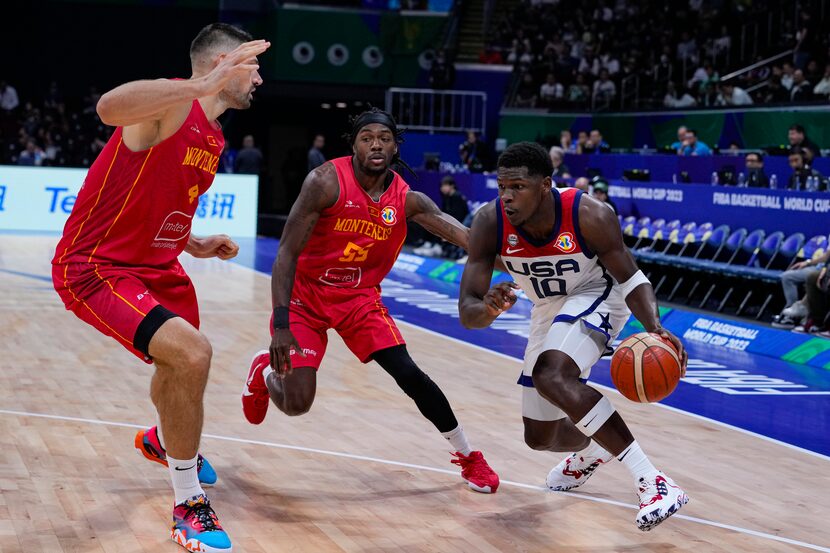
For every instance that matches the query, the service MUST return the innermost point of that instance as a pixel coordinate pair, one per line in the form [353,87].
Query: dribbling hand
[500,298]
[283,343]
[678,345]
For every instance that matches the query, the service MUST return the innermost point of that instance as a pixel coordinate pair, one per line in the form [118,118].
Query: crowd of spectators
[576,56]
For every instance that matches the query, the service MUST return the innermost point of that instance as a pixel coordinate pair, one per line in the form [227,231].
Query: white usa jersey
[561,265]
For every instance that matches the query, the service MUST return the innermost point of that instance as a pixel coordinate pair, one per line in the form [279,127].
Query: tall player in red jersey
[116,266]
[342,237]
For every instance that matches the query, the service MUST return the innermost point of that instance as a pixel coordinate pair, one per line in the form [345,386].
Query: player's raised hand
[235,64]
[500,297]
[283,343]
[678,345]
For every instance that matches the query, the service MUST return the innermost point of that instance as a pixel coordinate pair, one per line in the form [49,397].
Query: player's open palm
[237,64]
[500,297]
[283,343]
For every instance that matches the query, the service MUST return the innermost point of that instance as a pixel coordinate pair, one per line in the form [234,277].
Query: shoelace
[204,515]
[477,466]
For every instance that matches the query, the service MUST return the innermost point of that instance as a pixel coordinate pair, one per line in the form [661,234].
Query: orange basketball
[645,367]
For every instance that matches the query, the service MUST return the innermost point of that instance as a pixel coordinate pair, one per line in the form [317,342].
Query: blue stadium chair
[787,253]
[703,231]
[709,251]
[743,256]
[813,248]
[646,235]
[678,242]
[628,225]
[761,259]
[631,239]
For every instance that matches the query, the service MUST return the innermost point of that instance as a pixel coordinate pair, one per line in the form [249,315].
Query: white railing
[438,110]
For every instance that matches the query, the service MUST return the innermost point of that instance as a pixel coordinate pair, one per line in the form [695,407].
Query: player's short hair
[217,36]
[527,154]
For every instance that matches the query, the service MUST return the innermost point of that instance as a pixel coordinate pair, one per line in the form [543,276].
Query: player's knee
[539,441]
[196,356]
[295,405]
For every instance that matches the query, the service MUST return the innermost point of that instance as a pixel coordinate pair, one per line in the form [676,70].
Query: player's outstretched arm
[422,210]
[215,245]
[320,191]
[601,230]
[478,303]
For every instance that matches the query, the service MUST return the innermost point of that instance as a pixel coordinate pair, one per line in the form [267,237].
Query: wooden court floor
[362,472]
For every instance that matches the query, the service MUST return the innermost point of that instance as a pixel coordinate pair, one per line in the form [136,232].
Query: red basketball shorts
[356,314]
[127,303]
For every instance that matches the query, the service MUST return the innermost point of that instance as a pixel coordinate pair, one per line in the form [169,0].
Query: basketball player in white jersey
[564,249]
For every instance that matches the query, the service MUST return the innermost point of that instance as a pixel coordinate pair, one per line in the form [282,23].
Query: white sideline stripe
[597,385]
[428,469]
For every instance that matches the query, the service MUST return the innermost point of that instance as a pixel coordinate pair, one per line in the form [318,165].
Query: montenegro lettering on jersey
[357,240]
[136,208]
[557,266]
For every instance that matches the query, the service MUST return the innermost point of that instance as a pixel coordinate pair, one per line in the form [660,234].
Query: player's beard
[239,100]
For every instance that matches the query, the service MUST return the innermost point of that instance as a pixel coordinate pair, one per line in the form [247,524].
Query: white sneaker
[796,311]
[423,250]
[572,472]
[660,498]
[437,250]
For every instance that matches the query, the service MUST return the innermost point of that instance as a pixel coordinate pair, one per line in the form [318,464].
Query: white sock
[185,477]
[595,451]
[635,461]
[458,440]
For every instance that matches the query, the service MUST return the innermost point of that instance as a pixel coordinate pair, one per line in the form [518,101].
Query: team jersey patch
[388,215]
[512,239]
[565,242]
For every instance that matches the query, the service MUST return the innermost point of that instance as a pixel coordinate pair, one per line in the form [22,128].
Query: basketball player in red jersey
[564,249]
[116,266]
[341,239]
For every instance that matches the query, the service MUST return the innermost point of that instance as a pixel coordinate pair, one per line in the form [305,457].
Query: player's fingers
[298,349]
[272,357]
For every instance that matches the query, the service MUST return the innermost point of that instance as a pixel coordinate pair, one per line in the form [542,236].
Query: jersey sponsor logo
[364,227]
[175,227]
[201,159]
[510,250]
[355,253]
[389,215]
[195,129]
[512,239]
[543,275]
[350,203]
[342,277]
[565,242]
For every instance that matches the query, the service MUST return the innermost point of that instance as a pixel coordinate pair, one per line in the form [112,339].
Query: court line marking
[596,384]
[425,468]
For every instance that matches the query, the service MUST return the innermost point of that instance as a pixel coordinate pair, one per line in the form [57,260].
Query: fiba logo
[388,215]
[565,242]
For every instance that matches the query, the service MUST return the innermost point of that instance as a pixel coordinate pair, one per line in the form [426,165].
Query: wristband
[280,318]
[629,285]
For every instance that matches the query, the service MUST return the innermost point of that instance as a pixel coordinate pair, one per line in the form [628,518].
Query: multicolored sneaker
[255,396]
[196,527]
[572,472]
[475,470]
[660,498]
[147,442]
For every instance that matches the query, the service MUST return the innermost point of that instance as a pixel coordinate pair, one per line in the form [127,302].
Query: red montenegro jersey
[357,240]
[136,208]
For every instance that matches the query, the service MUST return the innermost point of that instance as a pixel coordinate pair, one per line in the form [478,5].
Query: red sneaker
[255,396]
[475,470]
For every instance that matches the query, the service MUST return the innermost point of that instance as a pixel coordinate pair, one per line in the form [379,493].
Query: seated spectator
[755,176]
[775,92]
[787,75]
[694,147]
[818,304]
[582,183]
[249,158]
[735,95]
[454,204]
[442,72]
[526,97]
[560,170]
[812,72]
[600,192]
[596,144]
[316,157]
[797,137]
[551,92]
[474,153]
[490,55]
[800,165]
[677,98]
[566,142]
[604,89]
[823,86]
[681,136]
[8,97]
[33,155]
[581,142]
[801,89]
[608,62]
[577,93]
[794,310]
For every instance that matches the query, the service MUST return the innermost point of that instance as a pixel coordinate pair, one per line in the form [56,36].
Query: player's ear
[547,183]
